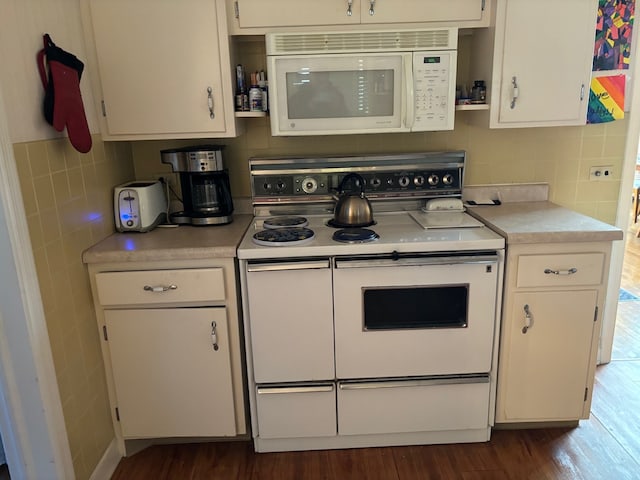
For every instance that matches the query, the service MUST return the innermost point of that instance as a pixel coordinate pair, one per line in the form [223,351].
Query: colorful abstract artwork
[606,99]
[613,34]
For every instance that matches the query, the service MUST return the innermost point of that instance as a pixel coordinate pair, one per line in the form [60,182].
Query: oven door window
[415,307]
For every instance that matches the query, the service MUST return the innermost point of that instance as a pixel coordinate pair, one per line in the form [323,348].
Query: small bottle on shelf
[242,98]
[479,92]
[255,94]
[262,84]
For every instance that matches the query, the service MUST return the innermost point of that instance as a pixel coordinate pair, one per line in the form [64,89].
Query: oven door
[414,314]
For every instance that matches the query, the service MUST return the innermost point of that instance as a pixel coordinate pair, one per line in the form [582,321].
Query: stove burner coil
[355,235]
[285,221]
[283,236]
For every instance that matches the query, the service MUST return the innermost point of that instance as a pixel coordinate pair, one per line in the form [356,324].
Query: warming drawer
[413,405]
[293,411]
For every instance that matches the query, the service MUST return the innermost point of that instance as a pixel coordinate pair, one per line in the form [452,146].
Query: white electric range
[388,339]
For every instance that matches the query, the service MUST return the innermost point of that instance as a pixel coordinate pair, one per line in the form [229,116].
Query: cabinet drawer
[560,270]
[413,405]
[160,286]
[296,411]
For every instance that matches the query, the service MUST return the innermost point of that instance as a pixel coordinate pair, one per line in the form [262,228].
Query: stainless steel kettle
[352,209]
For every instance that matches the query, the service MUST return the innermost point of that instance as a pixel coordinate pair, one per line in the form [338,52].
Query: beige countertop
[543,222]
[178,243]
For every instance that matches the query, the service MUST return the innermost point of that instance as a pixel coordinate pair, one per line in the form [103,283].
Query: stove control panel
[397,176]
[377,184]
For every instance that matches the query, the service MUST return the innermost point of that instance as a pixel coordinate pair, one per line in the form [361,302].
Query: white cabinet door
[160,67]
[292,13]
[169,379]
[299,13]
[544,52]
[544,371]
[291,322]
[402,11]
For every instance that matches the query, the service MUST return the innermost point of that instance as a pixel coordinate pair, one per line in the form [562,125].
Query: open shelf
[251,114]
[481,106]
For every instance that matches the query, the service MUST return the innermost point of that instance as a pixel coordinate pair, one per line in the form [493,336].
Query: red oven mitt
[63,102]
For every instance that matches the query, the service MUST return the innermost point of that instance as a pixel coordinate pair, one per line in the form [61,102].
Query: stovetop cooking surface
[398,187]
[398,232]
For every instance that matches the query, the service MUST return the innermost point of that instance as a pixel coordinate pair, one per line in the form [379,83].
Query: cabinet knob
[372,4]
[349,9]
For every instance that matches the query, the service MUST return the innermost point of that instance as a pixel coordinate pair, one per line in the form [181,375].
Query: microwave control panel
[434,90]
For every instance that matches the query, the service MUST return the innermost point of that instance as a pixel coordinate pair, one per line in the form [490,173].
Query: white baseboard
[108,463]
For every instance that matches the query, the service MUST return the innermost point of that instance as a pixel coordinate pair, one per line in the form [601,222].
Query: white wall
[22,24]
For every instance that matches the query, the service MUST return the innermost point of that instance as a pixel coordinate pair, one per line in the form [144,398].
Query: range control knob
[404,181]
[447,179]
[309,185]
[267,186]
[280,186]
[418,180]
[376,182]
[433,179]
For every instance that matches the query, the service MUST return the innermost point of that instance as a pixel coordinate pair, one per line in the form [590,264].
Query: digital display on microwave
[431,60]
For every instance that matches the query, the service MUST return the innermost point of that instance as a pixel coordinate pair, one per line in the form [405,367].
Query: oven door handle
[415,261]
[422,382]
[294,265]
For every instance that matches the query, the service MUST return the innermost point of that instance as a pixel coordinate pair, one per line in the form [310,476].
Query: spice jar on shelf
[478,92]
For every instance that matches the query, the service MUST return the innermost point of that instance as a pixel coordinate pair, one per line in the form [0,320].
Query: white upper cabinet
[542,62]
[161,68]
[256,15]
[403,11]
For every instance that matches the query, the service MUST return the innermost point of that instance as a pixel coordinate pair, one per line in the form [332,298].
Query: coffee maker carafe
[206,193]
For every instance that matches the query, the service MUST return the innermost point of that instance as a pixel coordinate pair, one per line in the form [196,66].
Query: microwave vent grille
[345,42]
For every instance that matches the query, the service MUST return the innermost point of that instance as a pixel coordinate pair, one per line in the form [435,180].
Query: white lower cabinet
[553,302]
[169,378]
[413,405]
[296,411]
[170,341]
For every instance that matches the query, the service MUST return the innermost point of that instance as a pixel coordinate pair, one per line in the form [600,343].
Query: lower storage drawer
[416,405]
[288,411]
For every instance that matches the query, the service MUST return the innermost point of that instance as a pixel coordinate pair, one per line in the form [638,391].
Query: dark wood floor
[605,447]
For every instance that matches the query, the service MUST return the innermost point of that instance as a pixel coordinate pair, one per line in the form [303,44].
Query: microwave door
[338,94]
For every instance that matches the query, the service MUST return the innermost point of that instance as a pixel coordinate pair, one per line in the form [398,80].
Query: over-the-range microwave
[362,81]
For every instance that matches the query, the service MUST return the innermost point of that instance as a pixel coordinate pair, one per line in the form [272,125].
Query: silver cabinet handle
[311,388]
[372,4]
[210,102]
[514,92]
[570,271]
[159,288]
[419,382]
[349,10]
[214,336]
[528,319]
[276,267]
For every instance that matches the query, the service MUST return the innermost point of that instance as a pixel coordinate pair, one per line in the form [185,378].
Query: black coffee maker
[206,193]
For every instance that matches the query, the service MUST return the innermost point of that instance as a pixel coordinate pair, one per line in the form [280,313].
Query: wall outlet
[601,173]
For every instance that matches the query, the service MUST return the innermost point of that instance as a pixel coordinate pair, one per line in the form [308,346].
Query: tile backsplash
[68,201]
[559,156]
